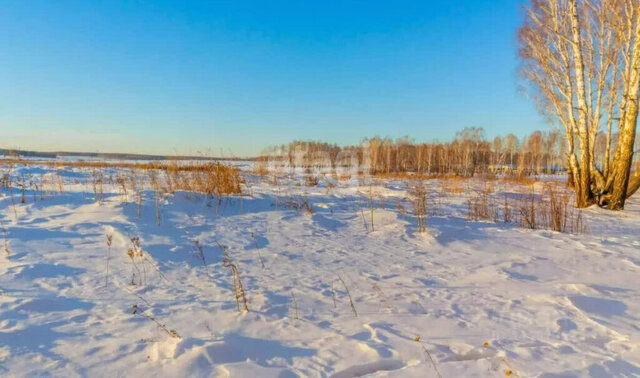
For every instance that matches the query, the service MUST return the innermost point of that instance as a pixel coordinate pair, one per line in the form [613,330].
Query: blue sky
[233,77]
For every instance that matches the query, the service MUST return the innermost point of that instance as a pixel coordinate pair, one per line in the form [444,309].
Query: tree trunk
[627,131]
[607,153]
[570,182]
[634,184]
[583,192]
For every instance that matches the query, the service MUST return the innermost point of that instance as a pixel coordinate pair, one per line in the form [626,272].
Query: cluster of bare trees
[467,154]
[583,59]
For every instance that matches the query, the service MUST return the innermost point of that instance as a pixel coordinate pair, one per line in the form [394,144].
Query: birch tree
[582,59]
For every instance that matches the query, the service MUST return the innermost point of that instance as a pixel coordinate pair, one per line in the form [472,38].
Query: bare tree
[582,58]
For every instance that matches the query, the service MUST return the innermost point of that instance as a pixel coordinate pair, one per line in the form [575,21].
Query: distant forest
[469,153]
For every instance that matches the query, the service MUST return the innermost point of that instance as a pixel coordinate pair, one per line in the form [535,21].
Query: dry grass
[135,254]
[353,306]
[238,288]
[209,178]
[214,179]
[5,238]
[139,263]
[333,295]
[528,209]
[371,206]
[300,204]
[157,191]
[311,180]
[453,187]
[294,306]
[170,332]
[403,176]
[258,249]
[261,168]
[522,180]
[97,180]
[109,241]
[428,356]
[548,209]
[383,298]
[8,185]
[200,252]
[115,164]
[558,213]
[480,205]
[419,194]
[507,215]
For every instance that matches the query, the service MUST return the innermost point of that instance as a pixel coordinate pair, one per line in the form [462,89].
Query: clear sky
[236,76]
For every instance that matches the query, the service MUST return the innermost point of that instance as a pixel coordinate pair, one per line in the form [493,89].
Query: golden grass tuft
[214,179]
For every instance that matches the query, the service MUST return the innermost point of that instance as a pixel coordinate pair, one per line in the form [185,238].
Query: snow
[480,298]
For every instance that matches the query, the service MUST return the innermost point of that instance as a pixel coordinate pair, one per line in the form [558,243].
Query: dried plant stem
[109,242]
[383,297]
[60,185]
[510,370]
[258,249]
[428,355]
[157,208]
[133,253]
[333,295]
[156,268]
[364,220]
[353,307]
[13,204]
[237,282]
[261,260]
[23,189]
[507,209]
[420,206]
[294,302]
[124,286]
[371,206]
[5,238]
[170,332]
[200,250]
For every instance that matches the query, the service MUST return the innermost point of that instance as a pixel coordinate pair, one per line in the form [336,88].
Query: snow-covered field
[472,298]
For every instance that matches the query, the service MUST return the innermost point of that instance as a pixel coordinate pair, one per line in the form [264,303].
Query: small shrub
[480,205]
[527,208]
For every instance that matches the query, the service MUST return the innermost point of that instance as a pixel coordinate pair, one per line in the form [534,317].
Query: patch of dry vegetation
[161,165]
[549,209]
[215,179]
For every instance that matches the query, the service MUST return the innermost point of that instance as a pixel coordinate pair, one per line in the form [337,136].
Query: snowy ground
[476,297]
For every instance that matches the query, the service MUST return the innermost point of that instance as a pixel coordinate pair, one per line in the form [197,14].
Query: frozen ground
[479,298]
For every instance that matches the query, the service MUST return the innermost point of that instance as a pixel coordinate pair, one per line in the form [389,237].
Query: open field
[117,270]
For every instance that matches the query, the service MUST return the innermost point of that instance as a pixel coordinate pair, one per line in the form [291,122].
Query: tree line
[468,154]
